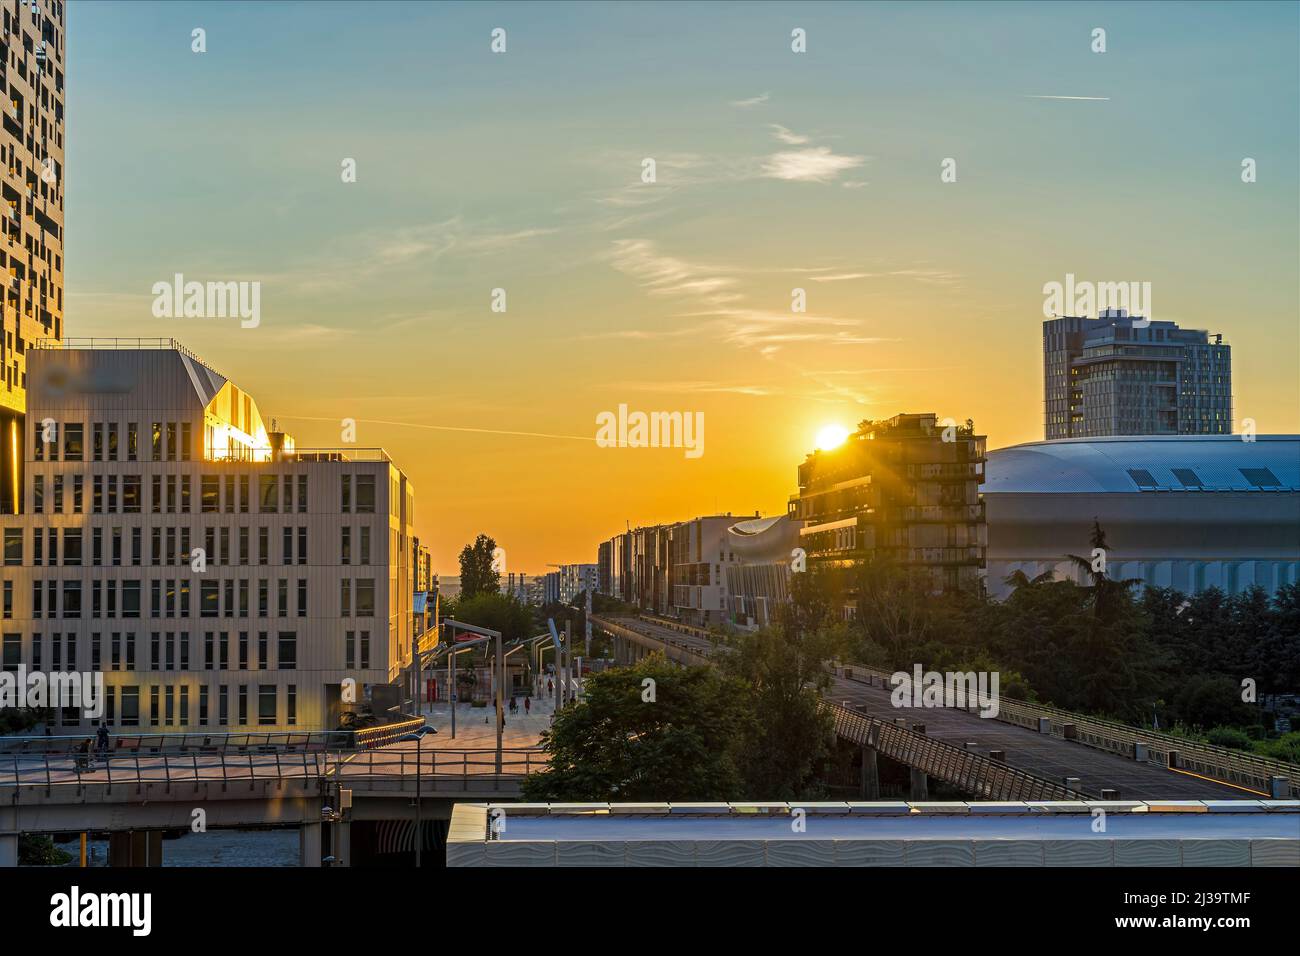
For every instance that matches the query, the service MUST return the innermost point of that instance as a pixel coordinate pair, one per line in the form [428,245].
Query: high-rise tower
[31,157]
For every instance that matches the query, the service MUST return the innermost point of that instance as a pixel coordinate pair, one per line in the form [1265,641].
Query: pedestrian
[528,705]
[101,739]
[550,687]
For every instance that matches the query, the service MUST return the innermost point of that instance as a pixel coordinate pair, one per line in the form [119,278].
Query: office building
[217,575]
[903,492]
[1119,375]
[31,154]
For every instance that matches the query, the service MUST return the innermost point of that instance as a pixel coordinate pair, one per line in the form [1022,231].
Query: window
[287,651]
[365,494]
[345,597]
[130,706]
[13,545]
[268,493]
[130,598]
[291,704]
[365,649]
[302,597]
[345,549]
[365,597]
[1142,478]
[347,493]
[302,545]
[209,599]
[187,441]
[266,704]
[209,494]
[349,650]
[73,442]
[302,494]
[131,494]
[1261,477]
[132,441]
[157,441]
[287,548]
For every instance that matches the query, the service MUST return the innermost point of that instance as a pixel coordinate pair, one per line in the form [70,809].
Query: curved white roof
[1183,463]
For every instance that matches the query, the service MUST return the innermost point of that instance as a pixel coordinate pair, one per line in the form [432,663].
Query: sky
[774,171]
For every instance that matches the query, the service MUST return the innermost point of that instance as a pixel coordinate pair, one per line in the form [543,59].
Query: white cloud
[814,165]
[752,102]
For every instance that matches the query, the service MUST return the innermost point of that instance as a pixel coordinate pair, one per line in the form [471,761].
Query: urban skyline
[774,172]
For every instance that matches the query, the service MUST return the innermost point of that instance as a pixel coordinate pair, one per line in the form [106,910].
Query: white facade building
[217,576]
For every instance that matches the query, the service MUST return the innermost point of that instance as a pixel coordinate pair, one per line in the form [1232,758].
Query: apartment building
[1122,375]
[32,53]
[217,575]
[903,491]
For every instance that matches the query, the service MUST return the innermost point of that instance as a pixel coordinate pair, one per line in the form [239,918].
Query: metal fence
[183,743]
[434,769]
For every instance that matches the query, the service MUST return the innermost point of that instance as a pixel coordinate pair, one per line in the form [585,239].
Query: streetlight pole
[501,717]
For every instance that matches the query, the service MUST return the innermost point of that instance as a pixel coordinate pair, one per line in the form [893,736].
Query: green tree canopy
[478,573]
[618,744]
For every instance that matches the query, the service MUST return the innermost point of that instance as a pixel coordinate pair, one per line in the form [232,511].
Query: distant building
[698,551]
[575,579]
[903,491]
[1189,512]
[758,579]
[1118,375]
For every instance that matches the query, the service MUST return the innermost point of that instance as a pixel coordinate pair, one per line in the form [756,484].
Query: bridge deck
[1042,755]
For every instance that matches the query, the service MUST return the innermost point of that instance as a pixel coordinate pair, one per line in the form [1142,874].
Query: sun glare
[831,436]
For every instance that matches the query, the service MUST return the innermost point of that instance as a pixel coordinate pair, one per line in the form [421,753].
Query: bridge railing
[284,741]
[385,733]
[1179,753]
[440,767]
[974,773]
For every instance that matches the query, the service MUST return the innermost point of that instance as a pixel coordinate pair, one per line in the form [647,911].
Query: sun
[831,436]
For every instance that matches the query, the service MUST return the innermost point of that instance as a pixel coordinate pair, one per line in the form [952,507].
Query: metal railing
[434,769]
[1177,753]
[974,773]
[285,741]
[84,343]
[385,733]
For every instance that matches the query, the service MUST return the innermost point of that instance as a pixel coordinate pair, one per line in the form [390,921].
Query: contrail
[441,428]
[1032,96]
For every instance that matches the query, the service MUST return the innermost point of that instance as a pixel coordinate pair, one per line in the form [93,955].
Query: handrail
[1177,753]
[989,779]
[50,771]
[182,742]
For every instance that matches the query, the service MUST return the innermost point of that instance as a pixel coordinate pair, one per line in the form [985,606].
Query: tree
[478,573]
[677,738]
[497,612]
[789,735]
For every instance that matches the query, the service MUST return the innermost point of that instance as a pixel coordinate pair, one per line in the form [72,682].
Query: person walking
[101,740]
[528,706]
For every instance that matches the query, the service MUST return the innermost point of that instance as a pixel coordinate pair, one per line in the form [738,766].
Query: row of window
[171,494]
[171,598]
[170,441]
[170,650]
[171,546]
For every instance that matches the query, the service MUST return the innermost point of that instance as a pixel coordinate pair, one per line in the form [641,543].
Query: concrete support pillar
[135,848]
[309,835]
[920,785]
[342,840]
[1278,788]
[870,774]
[8,837]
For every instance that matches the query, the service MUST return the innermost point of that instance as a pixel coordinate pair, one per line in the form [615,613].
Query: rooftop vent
[1260,477]
[1142,478]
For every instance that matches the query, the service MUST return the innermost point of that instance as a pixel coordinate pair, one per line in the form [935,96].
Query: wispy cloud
[788,137]
[752,101]
[817,164]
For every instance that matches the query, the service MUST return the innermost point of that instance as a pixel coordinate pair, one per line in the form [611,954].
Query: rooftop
[1147,463]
